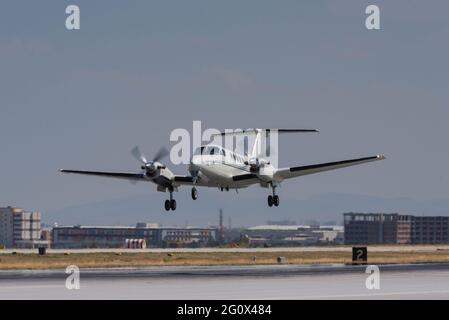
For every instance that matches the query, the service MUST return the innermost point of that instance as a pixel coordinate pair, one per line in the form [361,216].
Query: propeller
[139,155]
[162,153]
[150,166]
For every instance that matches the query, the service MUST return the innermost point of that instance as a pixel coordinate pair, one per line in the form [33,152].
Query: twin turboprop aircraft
[214,166]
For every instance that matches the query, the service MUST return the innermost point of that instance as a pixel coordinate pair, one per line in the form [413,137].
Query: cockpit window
[199,151]
[205,150]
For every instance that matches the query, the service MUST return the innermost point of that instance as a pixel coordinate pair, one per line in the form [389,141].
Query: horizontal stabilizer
[256,131]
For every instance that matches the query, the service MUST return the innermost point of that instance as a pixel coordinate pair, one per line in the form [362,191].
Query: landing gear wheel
[173,204]
[194,194]
[167,205]
[270,200]
[276,200]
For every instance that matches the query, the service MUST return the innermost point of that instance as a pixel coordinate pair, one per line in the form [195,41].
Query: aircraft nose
[196,160]
[195,163]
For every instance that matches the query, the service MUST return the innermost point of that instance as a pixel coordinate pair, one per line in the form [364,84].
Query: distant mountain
[244,211]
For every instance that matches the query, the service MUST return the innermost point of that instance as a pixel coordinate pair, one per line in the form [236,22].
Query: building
[369,228]
[404,229]
[46,234]
[293,235]
[394,228]
[77,237]
[189,236]
[431,230]
[116,236]
[20,229]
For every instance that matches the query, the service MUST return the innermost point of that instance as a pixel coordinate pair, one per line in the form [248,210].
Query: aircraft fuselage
[217,166]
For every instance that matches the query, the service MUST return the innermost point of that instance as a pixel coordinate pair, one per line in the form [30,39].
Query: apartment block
[19,228]
[394,228]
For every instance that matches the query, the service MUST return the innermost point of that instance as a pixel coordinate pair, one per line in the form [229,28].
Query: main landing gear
[194,193]
[273,199]
[170,204]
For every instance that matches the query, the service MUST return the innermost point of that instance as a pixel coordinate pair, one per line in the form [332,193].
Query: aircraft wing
[117,175]
[292,172]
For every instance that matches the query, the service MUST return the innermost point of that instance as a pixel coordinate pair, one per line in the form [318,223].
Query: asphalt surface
[429,281]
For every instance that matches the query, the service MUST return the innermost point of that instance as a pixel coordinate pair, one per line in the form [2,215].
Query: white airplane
[214,166]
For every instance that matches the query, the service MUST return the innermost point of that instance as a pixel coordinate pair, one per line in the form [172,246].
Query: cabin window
[214,150]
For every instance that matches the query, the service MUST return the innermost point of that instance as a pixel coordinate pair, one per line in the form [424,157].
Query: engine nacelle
[152,169]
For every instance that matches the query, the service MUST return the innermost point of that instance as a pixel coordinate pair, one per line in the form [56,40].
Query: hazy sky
[138,69]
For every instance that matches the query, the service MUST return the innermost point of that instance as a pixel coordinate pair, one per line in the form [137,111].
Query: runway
[240,282]
[372,248]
